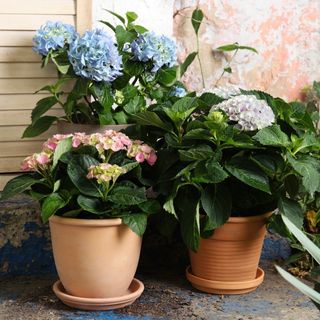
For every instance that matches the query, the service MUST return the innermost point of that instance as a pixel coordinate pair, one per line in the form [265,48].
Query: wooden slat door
[21,74]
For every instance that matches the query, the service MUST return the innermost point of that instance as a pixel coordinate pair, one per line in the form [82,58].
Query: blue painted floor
[168,296]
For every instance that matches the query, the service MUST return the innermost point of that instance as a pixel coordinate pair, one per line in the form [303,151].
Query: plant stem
[224,69]
[200,63]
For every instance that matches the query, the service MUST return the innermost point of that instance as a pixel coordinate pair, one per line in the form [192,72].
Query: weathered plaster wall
[285,32]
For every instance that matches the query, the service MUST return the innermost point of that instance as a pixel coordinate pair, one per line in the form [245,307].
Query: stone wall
[286,34]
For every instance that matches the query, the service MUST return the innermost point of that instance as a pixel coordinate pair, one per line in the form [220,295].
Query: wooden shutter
[21,75]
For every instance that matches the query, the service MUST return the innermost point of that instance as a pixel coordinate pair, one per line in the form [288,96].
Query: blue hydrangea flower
[179,92]
[95,56]
[52,36]
[159,49]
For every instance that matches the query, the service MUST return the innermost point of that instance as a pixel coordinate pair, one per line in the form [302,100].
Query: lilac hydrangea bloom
[178,92]
[95,56]
[159,49]
[249,112]
[52,36]
[226,92]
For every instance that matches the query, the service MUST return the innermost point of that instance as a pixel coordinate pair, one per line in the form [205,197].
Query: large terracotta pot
[64,127]
[227,262]
[94,258]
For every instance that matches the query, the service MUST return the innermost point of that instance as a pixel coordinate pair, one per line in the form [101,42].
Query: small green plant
[314,250]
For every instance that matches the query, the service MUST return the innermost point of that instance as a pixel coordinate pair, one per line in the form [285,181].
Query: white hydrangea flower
[249,112]
[225,92]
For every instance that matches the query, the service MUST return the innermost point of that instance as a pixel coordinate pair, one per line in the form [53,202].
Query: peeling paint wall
[285,32]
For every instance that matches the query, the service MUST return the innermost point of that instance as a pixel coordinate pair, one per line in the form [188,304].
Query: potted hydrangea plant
[111,77]
[225,163]
[92,190]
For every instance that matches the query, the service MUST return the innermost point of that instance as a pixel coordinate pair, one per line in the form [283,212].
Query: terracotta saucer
[222,287]
[134,292]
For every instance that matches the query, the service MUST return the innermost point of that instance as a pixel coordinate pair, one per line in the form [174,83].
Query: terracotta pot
[230,255]
[94,258]
[67,127]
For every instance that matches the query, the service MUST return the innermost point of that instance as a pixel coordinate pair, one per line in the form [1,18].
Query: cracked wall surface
[286,34]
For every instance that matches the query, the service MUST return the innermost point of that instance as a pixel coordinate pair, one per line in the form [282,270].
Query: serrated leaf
[149,118]
[18,185]
[127,196]
[136,222]
[93,205]
[77,171]
[272,136]
[249,173]
[51,205]
[131,16]
[201,152]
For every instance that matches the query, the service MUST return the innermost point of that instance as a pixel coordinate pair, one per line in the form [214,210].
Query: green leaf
[201,152]
[136,222]
[303,239]
[181,110]
[77,171]
[208,99]
[305,289]
[108,24]
[149,118]
[249,173]
[116,15]
[63,146]
[51,205]
[103,94]
[18,185]
[42,107]
[216,202]
[123,36]
[235,46]
[209,172]
[272,136]
[308,168]
[139,29]
[187,204]
[127,196]
[168,76]
[41,125]
[131,16]
[120,117]
[228,70]
[151,206]
[292,210]
[187,62]
[72,213]
[269,163]
[197,17]
[135,105]
[92,205]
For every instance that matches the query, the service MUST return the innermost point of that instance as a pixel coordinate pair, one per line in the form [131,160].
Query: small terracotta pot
[94,258]
[67,127]
[230,255]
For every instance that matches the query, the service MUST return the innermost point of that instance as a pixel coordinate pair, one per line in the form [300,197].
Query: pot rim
[86,222]
[251,218]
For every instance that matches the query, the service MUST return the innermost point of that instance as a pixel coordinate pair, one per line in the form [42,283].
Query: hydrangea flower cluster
[95,56]
[159,49]
[52,36]
[226,92]
[249,112]
[179,92]
[110,140]
[105,172]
